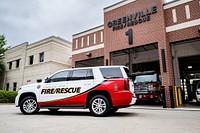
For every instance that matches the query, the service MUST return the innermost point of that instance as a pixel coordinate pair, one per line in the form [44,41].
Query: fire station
[147,35]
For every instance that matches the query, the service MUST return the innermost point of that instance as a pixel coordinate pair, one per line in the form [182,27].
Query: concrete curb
[167,109]
[7,104]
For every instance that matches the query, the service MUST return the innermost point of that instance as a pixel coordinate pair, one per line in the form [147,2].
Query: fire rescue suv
[147,86]
[101,89]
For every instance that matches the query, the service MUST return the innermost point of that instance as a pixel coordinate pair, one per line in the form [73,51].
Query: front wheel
[99,106]
[29,105]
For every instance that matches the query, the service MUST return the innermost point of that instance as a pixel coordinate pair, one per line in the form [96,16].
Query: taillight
[126,84]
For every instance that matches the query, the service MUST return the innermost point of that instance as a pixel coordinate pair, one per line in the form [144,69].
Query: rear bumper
[122,99]
[134,99]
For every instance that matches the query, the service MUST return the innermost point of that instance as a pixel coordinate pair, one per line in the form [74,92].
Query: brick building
[147,35]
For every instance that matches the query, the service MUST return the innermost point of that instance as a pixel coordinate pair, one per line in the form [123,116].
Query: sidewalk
[159,107]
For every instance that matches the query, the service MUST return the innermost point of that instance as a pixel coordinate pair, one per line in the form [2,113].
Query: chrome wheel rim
[99,106]
[30,105]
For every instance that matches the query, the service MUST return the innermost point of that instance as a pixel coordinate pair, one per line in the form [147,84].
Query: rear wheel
[99,106]
[29,105]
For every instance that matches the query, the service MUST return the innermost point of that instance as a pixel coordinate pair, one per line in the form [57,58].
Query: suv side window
[58,77]
[82,74]
[90,74]
[114,72]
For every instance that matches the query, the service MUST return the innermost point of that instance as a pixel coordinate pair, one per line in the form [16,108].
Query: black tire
[114,110]
[53,109]
[29,105]
[99,105]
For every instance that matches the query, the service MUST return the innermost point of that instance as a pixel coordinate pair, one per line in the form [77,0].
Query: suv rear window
[109,73]
[128,73]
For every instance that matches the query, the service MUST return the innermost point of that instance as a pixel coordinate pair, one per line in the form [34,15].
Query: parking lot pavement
[128,120]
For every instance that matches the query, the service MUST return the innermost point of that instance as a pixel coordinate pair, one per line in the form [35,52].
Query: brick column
[165,59]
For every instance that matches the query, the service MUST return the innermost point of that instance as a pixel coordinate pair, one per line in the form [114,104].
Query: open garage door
[143,62]
[137,59]
[147,66]
[190,76]
[186,63]
[90,62]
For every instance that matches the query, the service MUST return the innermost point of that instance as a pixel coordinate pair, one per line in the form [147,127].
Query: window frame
[17,63]
[10,65]
[14,86]
[7,86]
[31,59]
[39,80]
[41,57]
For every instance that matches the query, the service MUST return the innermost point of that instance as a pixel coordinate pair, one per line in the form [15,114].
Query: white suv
[101,89]
[198,93]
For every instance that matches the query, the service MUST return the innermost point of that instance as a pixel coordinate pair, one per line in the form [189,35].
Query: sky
[33,20]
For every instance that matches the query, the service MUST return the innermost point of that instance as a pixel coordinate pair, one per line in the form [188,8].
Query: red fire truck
[147,86]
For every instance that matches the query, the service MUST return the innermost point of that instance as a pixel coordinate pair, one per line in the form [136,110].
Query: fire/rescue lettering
[61,90]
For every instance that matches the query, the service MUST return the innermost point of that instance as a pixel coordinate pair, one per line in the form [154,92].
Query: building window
[14,86]
[76,47]
[101,36]
[28,81]
[9,65]
[174,15]
[39,80]
[94,38]
[82,42]
[7,86]
[31,59]
[88,40]
[187,11]
[17,63]
[41,57]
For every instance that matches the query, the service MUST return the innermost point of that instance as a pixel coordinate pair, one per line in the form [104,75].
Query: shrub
[7,96]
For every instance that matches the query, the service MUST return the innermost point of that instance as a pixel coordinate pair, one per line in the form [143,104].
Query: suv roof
[90,68]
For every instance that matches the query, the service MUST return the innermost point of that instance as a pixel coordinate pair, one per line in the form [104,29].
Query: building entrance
[189,76]
[186,63]
[143,62]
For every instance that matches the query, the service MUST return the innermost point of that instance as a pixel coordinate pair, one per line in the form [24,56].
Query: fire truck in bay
[147,86]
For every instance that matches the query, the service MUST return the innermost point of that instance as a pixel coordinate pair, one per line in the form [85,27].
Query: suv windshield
[146,78]
[114,72]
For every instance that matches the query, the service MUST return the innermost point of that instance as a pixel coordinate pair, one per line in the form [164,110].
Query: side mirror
[47,80]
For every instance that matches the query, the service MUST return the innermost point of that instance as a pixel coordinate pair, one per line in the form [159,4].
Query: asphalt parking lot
[129,120]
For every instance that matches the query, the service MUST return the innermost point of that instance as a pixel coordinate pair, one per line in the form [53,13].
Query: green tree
[3,49]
